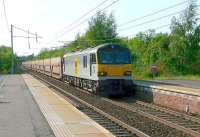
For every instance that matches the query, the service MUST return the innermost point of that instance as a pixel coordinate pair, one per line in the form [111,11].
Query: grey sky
[47,17]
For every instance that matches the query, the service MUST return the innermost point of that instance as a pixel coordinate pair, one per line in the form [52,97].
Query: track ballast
[145,124]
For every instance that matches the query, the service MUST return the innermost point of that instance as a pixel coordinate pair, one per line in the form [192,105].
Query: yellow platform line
[56,123]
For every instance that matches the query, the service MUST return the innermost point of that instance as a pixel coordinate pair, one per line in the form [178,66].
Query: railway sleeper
[193,126]
[169,118]
[103,122]
[127,135]
[96,117]
[156,113]
[163,115]
[121,133]
[172,119]
[113,127]
[178,122]
[149,110]
[118,132]
[187,122]
[184,124]
[92,114]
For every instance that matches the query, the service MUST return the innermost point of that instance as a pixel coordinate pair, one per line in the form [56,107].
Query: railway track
[115,126]
[179,121]
[112,124]
[126,114]
[174,119]
[193,118]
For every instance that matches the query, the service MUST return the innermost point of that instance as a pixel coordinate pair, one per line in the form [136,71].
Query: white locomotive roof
[88,50]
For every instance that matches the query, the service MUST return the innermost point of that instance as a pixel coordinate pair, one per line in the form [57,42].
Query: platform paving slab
[181,83]
[172,88]
[20,116]
[64,119]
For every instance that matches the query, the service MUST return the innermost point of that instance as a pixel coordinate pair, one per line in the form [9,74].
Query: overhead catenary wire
[149,15]
[84,15]
[149,21]
[156,19]
[153,13]
[131,35]
[27,31]
[80,23]
[156,28]
[127,36]
[159,27]
[5,15]
[126,23]
[36,36]
[16,36]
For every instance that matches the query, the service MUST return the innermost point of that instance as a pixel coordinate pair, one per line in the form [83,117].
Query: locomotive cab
[114,69]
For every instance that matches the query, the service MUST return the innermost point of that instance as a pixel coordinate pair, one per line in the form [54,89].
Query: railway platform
[177,95]
[28,108]
[194,84]
[19,114]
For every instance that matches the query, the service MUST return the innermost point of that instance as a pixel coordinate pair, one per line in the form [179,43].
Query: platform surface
[64,119]
[20,116]
[187,87]
[183,83]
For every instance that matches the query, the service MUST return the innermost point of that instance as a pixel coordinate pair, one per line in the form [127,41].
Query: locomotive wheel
[81,84]
[95,88]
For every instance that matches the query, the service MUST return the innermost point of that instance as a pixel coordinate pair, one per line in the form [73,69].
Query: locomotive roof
[87,50]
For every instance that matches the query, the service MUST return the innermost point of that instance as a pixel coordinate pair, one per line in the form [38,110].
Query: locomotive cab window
[93,58]
[114,55]
[85,61]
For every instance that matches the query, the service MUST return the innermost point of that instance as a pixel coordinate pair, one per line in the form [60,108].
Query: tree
[102,29]
[5,59]
[184,41]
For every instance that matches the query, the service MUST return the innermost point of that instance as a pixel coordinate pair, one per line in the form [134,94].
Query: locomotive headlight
[127,73]
[102,73]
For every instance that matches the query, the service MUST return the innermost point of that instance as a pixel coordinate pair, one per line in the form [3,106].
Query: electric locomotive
[104,68]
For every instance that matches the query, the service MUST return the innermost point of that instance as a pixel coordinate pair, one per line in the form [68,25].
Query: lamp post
[12,54]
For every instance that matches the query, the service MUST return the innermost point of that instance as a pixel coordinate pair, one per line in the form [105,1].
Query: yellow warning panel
[76,66]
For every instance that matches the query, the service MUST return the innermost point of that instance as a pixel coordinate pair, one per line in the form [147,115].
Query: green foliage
[102,29]
[5,59]
[45,53]
[185,39]
[177,53]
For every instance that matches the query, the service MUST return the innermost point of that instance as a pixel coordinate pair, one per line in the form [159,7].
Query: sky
[51,19]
